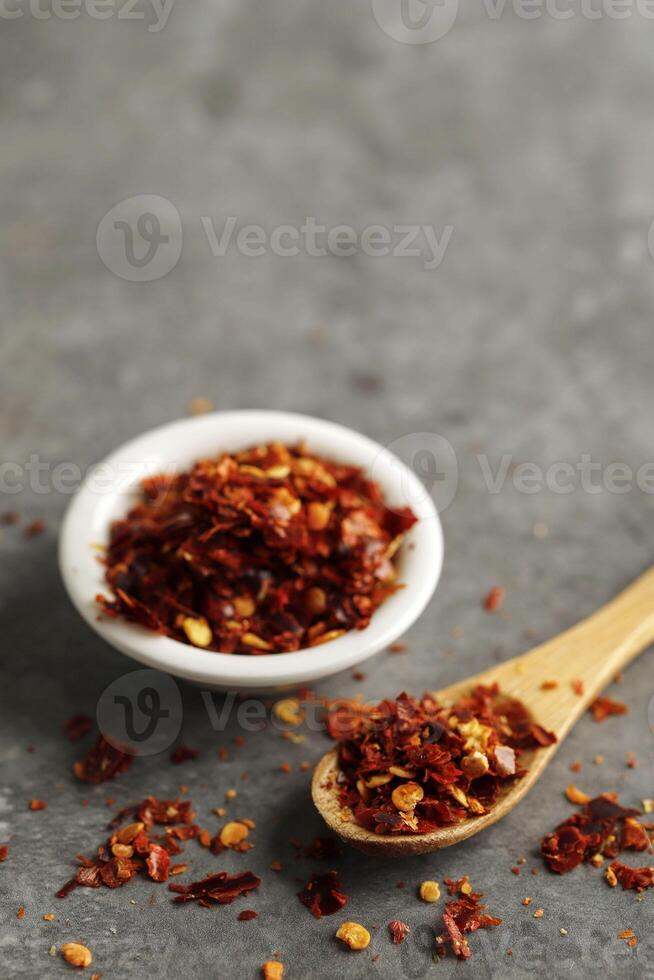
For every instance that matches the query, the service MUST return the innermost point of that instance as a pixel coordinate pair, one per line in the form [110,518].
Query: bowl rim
[89,514]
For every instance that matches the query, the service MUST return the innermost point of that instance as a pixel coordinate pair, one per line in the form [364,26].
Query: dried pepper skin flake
[103,761]
[265,551]
[463,915]
[636,879]
[601,827]
[4,852]
[322,894]
[183,754]
[77,726]
[216,889]
[409,766]
[399,931]
[603,708]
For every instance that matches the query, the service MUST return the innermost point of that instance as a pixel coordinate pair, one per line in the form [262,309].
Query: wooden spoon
[592,652]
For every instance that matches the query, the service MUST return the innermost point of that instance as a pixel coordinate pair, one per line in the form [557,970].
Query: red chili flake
[463,915]
[632,760]
[399,931]
[515,871]
[239,740]
[21,913]
[4,852]
[323,849]
[284,767]
[358,675]
[601,708]
[265,551]
[10,517]
[596,828]
[133,849]
[635,879]
[441,771]
[247,915]
[77,726]
[37,805]
[575,766]
[183,754]
[216,889]
[577,686]
[322,894]
[158,862]
[34,528]
[495,599]
[103,761]
[398,648]
[223,754]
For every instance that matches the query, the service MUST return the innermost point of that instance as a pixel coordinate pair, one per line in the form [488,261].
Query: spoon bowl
[582,661]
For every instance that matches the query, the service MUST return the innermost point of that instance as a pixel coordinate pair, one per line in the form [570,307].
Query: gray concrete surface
[532,139]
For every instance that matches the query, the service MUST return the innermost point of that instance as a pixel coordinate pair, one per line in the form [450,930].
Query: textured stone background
[533,139]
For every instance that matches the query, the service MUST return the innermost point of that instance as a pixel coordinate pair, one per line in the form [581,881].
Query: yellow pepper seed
[430,891]
[353,935]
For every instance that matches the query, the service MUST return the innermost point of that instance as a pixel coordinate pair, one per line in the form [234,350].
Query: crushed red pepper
[601,827]
[322,894]
[399,931]
[103,761]
[636,879]
[77,726]
[410,766]
[133,848]
[4,852]
[462,915]
[603,708]
[268,550]
[216,889]
[183,754]
[323,849]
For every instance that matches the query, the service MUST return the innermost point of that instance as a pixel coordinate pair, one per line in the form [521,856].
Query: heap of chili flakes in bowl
[410,766]
[268,550]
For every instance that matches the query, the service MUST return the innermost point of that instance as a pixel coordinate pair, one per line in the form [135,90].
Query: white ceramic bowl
[112,486]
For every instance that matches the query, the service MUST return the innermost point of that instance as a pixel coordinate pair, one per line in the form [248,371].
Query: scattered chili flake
[626,934]
[494,599]
[539,913]
[285,767]
[527,900]
[9,517]
[178,869]
[21,913]
[322,894]
[239,740]
[216,889]
[632,760]
[183,754]
[515,871]
[398,648]
[602,708]
[636,879]
[264,551]
[410,766]
[103,761]
[549,685]
[598,828]
[462,915]
[233,835]
[223,754]
[37,805]
[577,686]
[77,726]
[599,761]
[246,915]
[4,852]
[575,766]
[34,528]
[399,931]
[231,794]
[275,865]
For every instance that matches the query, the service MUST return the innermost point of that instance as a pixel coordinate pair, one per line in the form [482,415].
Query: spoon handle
[582,661]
